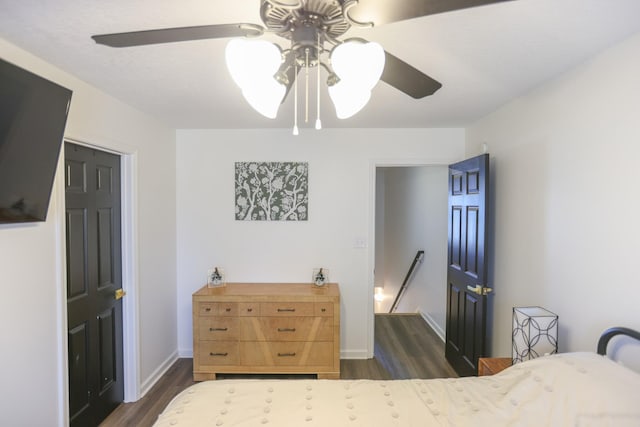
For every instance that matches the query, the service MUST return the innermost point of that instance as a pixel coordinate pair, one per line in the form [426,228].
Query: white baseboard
[354,354]
[157,374]
[185,352]
[432,323]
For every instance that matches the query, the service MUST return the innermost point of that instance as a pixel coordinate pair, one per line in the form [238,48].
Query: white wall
[341,203]
[33,316]
[565,162]
[415,218]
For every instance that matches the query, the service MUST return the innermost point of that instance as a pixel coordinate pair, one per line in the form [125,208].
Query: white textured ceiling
[483,56]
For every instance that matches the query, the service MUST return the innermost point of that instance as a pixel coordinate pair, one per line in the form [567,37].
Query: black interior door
[94,274]
[466,319]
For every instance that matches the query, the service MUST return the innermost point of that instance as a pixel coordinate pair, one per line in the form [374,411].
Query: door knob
[119,293]
[479,289]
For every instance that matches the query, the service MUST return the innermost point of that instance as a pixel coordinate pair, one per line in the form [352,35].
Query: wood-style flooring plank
[145,411]
[356,369]
[408,348]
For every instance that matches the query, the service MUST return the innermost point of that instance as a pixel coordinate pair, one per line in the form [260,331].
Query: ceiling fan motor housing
[308,26]
[304,42]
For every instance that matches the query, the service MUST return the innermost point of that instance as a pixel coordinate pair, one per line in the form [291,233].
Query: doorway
[94,283]
[411,215]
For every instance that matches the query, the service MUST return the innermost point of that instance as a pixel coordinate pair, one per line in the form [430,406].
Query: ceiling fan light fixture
[253,65]
[348,100]
[358,62]
[358,66]
[264,96]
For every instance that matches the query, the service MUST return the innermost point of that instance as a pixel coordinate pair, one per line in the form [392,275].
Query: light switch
[360,243]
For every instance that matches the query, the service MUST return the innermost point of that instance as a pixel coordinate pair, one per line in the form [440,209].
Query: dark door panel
[105,247]
[78,370]
[76,252]
[94,273]
[107,336]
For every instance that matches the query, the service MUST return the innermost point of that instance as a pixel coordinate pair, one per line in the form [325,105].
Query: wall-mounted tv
[33,114]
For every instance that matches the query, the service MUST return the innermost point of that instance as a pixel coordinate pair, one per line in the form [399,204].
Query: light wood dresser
[277,328]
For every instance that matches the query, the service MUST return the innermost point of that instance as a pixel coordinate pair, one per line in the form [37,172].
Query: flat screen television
[33,114]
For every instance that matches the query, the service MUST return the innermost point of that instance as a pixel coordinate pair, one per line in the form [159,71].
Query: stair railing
[418,258]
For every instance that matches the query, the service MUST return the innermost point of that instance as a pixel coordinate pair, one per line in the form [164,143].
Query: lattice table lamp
[535,333]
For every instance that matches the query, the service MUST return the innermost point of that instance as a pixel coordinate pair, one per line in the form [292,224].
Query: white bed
[571,389]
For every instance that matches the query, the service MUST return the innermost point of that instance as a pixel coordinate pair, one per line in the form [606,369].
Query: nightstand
[492,365]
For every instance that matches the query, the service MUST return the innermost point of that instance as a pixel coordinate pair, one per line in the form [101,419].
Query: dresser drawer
[248,309]
[286,309]
[217,309]
[218,328]
[218,353]
[286,353]
[323,309]
[287,329]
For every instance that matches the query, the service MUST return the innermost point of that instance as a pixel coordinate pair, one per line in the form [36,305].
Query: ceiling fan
[313,29]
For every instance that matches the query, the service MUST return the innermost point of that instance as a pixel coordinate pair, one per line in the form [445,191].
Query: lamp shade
[359,66]
[252,65]
[535,333]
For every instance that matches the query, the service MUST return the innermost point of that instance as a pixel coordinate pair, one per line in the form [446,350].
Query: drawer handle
[227,310]
[250,310]
[286,309]
[217,329]
[218,354]
[323,310]
[208,309]
[286,329]
[286,354]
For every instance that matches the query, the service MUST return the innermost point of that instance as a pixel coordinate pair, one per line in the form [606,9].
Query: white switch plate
[360,243]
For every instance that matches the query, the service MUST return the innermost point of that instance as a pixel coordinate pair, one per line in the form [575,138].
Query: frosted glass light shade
[348,100]
[265,97]
[359,66]
[252,65]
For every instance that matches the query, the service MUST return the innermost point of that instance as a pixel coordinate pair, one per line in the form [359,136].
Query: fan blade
[170,35]
[378,12]
[407,79]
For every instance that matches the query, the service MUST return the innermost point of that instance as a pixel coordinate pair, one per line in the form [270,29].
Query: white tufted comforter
[573,389]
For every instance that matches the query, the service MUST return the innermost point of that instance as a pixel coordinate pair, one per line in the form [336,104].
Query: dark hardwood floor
[144,412]
[405,347]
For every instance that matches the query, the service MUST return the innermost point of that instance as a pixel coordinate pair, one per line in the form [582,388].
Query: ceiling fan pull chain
[295,100]
[306,86]
[318,122]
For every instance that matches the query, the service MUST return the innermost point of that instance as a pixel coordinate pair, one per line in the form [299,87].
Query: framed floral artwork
[272,191]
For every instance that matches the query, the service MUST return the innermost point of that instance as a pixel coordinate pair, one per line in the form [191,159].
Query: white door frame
[129,209]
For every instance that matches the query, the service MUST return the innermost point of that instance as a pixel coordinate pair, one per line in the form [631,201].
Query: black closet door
[94,277]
